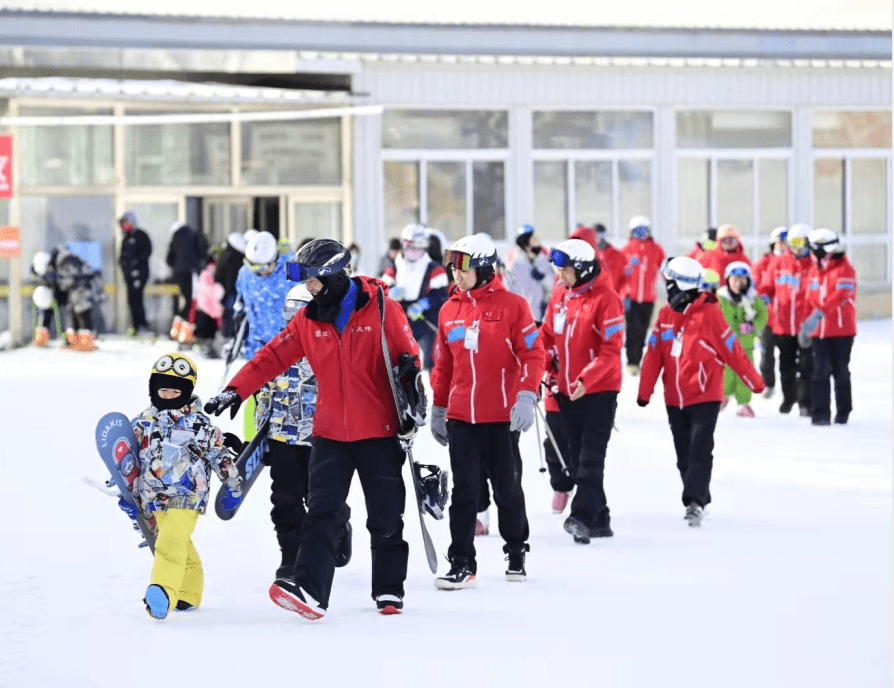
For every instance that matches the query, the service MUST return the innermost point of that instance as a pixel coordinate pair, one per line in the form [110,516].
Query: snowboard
[399,395]
[118,448]
[250,466]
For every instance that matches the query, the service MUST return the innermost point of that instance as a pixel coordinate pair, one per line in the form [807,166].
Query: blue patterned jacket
[264,299]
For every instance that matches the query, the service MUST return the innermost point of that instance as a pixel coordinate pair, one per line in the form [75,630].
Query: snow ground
[787,583]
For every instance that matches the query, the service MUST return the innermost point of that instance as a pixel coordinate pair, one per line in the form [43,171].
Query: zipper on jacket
[503,386]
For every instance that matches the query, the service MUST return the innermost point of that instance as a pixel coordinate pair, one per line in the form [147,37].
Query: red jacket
[832,287]
[708,343]
[591,336]
[717,259]
[644,259]
[758,268]
[614,262]
[785,282]
[481,386]
[355,400]
[552,354]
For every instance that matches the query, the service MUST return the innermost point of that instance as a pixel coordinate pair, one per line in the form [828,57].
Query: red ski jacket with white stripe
[692,371]
[832,287]
[785,282]
[586,326]
[477,378]
[758,268]
[644,259]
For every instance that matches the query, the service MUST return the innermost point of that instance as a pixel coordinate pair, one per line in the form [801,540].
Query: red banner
[6,166]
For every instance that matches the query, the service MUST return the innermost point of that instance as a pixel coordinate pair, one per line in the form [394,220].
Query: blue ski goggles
[298,272]
[740,272]
[559,258]
[641,232]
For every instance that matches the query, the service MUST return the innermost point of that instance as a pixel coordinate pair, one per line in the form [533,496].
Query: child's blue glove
[128,508]
[416,310]
[231,501]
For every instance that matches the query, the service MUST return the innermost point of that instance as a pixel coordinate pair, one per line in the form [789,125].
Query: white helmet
[578,254]
[824,241]
[43,297]
[262,249]
[778,234]
[414,236]
[249,234]
[237,241]
[797,237]
[737,267]
[685,272]
[297,298]
[640,226]
[41,262]
[479,248]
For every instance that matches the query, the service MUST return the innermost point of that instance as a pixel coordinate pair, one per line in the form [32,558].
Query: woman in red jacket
[488,364]
[586,326]
[644,259]
[688,347]
[355,424]
[832,326]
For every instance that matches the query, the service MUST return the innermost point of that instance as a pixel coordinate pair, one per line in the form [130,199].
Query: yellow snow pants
[177,566]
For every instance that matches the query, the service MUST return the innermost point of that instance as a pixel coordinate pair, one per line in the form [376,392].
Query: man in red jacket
[644,259]
[612,260]
[688,347]
[768,339]
[488,364]
[728,250]
[832,325]
[355,424]
[586,327]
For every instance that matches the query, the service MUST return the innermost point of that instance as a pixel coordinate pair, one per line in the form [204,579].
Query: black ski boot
[601,531]
[515,572]
[287,563]
[786,406]
[578,530]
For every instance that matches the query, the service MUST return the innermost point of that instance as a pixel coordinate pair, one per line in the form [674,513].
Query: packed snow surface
[787,583]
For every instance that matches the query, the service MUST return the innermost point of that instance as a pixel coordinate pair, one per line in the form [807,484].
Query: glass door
[223,216]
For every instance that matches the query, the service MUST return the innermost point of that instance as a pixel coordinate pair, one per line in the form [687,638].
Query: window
[852,130]
[177,154]
[445,129]
[290,153]
[588,130]
[551,200]
[734,129]
[401,195]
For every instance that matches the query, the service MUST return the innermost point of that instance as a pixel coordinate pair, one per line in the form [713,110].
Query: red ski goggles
[463,261]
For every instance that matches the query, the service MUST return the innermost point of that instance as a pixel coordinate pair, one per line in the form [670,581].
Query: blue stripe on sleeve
[844,286]
[730,341]
[531,338]
[667,335]
[457,333]
[653,340]
[609,331]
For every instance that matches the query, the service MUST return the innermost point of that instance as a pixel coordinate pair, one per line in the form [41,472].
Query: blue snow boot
[156,602]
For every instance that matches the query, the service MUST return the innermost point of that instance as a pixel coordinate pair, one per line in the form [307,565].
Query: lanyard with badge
[471,340]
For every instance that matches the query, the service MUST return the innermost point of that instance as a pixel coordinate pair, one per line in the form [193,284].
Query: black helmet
[319,258]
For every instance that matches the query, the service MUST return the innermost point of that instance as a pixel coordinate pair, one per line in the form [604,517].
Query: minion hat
[172,371]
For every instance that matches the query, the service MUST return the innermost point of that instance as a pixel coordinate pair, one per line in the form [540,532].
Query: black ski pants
[637,319]
[378,464]
[560,479]
[288,472]
[588,426]
[795,371]
[768,357]
[831,358]
[135,303]
[693,430]
[492,445]
[183,301]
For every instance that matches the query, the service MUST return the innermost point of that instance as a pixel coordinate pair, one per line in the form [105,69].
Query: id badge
[559,322]
[471,340]
[677,346]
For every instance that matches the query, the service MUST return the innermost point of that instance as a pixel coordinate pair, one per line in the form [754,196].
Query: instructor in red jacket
[644,259]
[586,326]
[355,424]
[688,348]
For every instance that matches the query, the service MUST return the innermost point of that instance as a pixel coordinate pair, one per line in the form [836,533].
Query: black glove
[226,399]
[642,402]
[233,444]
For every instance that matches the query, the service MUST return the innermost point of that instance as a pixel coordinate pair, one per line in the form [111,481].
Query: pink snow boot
[560,501]
[745,411]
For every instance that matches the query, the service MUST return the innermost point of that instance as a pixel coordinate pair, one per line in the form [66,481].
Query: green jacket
[749,309]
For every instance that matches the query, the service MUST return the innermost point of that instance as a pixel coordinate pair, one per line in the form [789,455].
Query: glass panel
[176,154]
[65,156]
[318,220]
[551,201]
[634,191]
[592,129]
[447,198]
[401,195]
[489,199]
[441,129]
[290,153]
[734,129]
[50,221]
[735,194]
[868,197]
[593,193]
[773,196]
[4,221]
[870,262]
[852,130]
[693,186]
[828,193]
[225,217]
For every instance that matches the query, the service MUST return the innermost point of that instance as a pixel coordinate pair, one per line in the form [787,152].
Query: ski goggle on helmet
[301,272]
[177,366]
[475,251]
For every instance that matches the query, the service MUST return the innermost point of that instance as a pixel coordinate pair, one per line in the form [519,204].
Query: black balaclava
[485,274]
[591,274]
[158,381]
[679,298]
[329,298]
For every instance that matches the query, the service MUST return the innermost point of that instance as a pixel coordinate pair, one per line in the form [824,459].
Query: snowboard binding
[432,490]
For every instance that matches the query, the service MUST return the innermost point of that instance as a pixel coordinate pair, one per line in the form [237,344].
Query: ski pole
[552,440]
[539,444]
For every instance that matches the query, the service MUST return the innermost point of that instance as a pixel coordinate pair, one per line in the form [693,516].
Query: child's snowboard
[249,465]
[117,445]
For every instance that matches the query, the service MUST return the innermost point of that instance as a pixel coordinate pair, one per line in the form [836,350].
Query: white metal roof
[827,15]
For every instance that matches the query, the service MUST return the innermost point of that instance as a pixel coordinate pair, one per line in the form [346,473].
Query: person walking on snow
[767,338]
[644,259]
[261,286]
[528,271]
[586,327]
[746,314]
[728,250]
[688,348]
[830,328]
[136,248]
[484,332]
[611,260]
[355,425]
